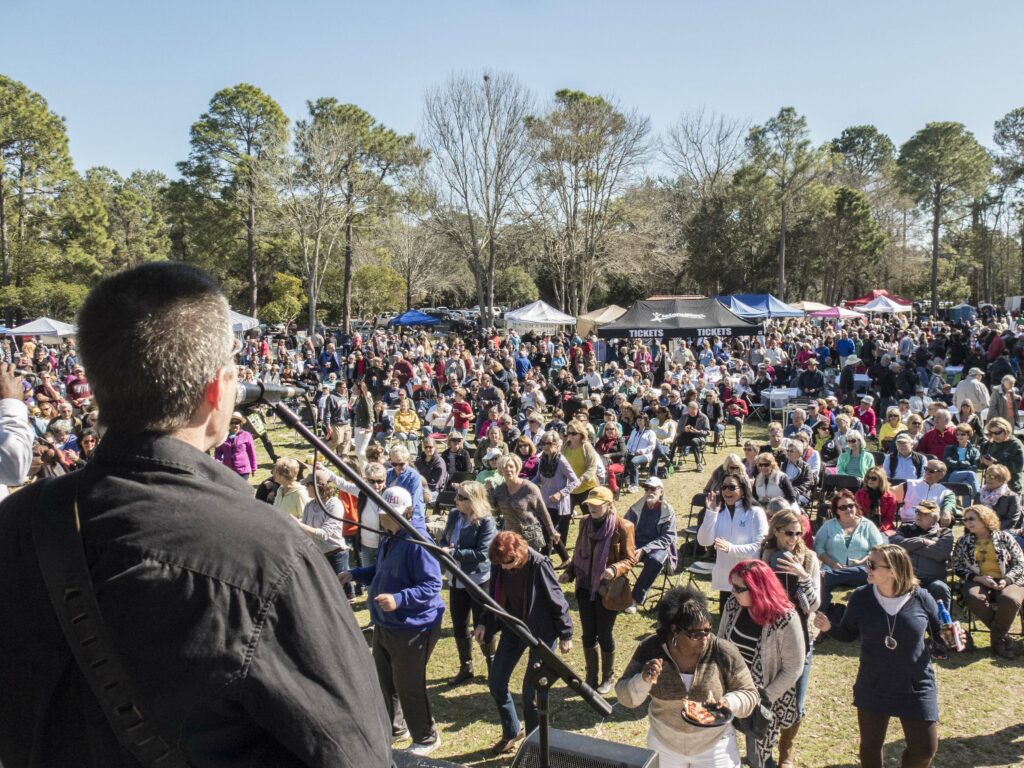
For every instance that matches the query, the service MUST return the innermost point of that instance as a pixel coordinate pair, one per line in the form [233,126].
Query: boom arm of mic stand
[551,660]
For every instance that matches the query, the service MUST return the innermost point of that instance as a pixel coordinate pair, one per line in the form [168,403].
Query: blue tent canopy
[762,304]
[414,317]
[739,308]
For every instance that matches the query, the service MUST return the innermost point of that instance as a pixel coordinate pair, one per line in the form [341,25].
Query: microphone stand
[548,669]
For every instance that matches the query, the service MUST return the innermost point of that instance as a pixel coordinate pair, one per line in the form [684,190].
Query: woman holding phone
[797,568]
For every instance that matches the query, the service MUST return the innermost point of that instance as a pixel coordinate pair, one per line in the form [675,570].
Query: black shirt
[230,622]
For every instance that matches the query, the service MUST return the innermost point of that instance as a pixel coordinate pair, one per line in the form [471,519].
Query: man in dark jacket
[929,547]
[655,524]
[227,619]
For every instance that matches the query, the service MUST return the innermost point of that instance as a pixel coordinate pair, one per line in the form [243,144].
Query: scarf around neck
[989,498]
[590,558]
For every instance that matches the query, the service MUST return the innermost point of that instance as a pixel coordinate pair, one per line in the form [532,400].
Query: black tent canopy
[678,318]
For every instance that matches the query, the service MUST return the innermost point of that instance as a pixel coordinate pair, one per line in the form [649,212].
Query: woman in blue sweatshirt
[406,609]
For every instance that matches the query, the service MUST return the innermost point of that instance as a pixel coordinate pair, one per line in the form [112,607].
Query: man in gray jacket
[929,547]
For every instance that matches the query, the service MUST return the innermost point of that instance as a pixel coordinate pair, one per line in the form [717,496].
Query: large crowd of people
[514,453]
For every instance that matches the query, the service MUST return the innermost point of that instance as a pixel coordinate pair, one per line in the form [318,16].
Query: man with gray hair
[227,620]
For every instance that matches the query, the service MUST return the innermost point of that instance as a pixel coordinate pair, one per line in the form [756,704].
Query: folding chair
[879,457]
[961,491]
[688,533]
[662,585]
[830,484]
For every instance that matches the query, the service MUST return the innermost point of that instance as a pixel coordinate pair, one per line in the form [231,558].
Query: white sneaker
[422,749]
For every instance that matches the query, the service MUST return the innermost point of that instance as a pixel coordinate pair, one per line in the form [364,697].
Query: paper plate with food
[707,714]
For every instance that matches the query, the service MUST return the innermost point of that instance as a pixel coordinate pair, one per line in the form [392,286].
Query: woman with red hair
[761,621]
[523,582]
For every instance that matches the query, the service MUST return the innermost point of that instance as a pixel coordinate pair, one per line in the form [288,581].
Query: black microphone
[250,394]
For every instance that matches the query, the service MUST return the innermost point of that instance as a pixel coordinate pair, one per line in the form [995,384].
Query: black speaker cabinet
[572,750]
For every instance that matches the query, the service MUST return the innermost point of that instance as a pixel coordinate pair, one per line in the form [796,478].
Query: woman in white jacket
[735,526]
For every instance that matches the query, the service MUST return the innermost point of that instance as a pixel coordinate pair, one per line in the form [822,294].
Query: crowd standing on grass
[495,442]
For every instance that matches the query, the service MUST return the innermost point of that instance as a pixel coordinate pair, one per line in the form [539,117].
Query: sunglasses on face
[763,465]
[462,497]
[696,634]
[873,566]
[994,432]
[739,589]
[932,469]
[791,534]
[845,507]
[376,481]
[730,487]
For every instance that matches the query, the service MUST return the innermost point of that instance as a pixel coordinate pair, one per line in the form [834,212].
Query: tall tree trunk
[936,221]
[1020,285]
[250,250]
[782,252]
[346,289]
[5,247]
[491,248]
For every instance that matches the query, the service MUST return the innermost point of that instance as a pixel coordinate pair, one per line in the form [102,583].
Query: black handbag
[758,722]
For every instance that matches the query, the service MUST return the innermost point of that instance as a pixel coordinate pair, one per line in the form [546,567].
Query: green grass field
[981,697]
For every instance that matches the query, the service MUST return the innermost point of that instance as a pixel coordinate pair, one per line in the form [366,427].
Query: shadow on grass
[1005,748]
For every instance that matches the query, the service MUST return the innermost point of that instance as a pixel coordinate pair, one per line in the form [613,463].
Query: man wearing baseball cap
[654,521]
[406,608]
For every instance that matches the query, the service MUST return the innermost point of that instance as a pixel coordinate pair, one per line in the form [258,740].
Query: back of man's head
[152,338]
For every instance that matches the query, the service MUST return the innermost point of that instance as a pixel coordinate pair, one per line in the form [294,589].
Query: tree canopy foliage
[502,197]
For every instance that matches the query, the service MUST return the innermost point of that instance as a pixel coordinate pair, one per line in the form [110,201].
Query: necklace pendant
[890,642]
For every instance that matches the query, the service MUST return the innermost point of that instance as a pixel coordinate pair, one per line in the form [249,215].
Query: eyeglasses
[376,480]
[763,464]
[873,566]
[791,534]
[739,590]
[993,432]
[697,634]
[870,479]
[730,487]
[932,469]
[844,507]
[461,497]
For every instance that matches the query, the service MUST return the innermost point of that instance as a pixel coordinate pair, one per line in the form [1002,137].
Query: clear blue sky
[131,77]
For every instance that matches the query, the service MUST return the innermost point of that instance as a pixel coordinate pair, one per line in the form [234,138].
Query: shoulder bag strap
[56,534]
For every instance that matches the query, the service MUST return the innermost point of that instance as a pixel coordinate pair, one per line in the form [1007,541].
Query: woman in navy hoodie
[523,582]
[406,609]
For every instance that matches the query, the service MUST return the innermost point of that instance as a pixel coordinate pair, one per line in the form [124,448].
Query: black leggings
[922,737]
[596,621]
[461,606]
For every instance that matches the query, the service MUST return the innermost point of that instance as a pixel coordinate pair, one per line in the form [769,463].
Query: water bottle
[950,628]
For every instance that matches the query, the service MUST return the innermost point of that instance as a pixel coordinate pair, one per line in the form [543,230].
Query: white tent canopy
[593,320]
[810,306]
[885,305]
[539,313]
[241,323]
[45,327]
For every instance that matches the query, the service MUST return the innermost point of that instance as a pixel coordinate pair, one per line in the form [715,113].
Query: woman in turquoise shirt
[843,544]
[855,459]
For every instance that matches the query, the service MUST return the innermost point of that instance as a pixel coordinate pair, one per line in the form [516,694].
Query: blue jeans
[635,462]
[367,556]
[801,684]
[938,589]
[648,575]
[509,652]
[851,576]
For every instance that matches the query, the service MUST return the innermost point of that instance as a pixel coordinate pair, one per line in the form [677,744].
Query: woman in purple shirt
[237,452]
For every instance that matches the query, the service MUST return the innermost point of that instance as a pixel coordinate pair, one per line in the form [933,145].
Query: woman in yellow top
[407,426]
[583,459]
[892,427]
[990,566]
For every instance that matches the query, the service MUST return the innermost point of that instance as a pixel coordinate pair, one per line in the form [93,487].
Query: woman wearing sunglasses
[895,679]
[797,569]
[684,660]
[467,537]
[842,544]
[735,526]
[762,622]
[1002,447]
